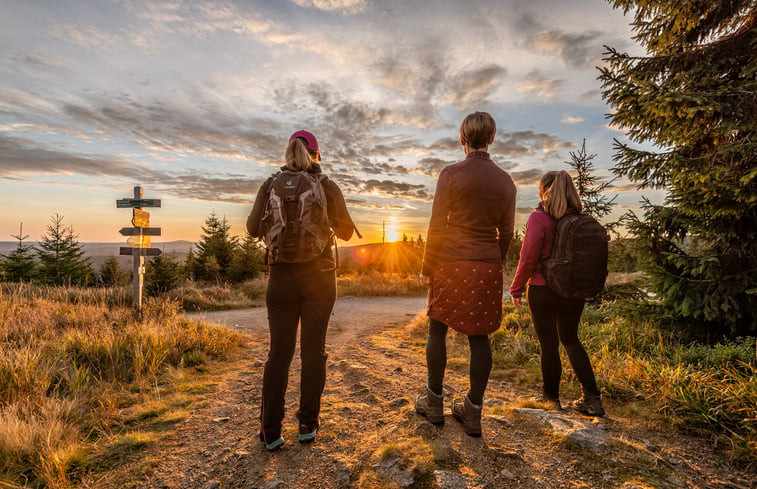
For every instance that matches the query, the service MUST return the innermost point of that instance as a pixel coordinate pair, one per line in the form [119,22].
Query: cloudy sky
[195,101]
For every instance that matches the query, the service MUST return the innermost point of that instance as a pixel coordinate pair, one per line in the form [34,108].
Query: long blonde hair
[558,193]
[297,155]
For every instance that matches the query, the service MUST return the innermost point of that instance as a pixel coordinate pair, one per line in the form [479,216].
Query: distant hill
[99,252]
[396,256]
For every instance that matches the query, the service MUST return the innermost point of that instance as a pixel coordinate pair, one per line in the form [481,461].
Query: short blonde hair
[297,156]
[478,129]
[558,193]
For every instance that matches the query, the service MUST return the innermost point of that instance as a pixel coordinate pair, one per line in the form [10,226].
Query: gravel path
[352,316]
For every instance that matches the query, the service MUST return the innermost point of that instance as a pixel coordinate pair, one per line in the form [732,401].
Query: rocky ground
[370,436]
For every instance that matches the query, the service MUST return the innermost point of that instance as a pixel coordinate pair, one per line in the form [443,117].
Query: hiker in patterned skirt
[297,212]
[472,224]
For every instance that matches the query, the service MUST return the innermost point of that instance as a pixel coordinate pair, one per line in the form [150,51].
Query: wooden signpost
[139,240]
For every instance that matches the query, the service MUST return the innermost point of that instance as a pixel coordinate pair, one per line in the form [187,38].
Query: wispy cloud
[527,177]
[540,84]
[577,49]
[390,188]
[22,159]
[521,143]
[344,6]
[569,120]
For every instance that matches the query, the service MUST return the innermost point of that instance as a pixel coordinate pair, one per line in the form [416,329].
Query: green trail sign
[124,203]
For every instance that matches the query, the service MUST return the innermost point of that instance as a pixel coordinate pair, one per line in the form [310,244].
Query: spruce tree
[162,274]
[111,274]
[248,259]
[62,259]
[693,102]
[215,249]
[19,265]
[590,187]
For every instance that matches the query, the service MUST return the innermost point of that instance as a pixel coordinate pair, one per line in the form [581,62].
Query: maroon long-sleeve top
[473,215]
[537,244]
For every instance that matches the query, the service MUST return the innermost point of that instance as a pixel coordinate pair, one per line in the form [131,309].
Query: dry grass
[79,376]
[213,297]
[377,284]
[706,390]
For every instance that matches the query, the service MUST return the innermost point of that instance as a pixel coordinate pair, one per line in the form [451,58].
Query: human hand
[517,302]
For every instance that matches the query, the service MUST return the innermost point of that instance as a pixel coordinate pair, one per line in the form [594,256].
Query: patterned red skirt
[467,296]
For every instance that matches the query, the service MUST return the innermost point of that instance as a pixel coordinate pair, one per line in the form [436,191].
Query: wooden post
[138,270]
[139,247]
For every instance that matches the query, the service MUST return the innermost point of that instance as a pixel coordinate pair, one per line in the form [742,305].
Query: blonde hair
[477,129]
[558,193]
[297,156]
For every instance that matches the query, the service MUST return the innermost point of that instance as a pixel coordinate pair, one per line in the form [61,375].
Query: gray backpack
[296,224]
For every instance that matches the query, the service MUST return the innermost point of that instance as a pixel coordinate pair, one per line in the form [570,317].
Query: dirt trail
[352,316]
[370,436]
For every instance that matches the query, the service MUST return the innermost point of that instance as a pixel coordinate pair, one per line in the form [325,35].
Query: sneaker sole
[274,445]
[306,437]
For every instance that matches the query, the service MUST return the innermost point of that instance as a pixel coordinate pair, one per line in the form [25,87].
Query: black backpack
[295,224]
[577,263]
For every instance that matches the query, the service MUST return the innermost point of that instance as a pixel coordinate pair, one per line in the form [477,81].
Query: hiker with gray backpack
[563,262]
[298,212]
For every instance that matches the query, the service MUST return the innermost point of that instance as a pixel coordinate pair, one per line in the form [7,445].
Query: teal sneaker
[307,434]
[275,444]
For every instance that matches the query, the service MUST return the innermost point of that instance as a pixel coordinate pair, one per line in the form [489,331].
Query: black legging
[436,359]
[556,321]
[298,294]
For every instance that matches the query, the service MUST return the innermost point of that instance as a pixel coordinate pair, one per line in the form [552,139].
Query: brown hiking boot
[554,404]
[589,405]
[430,405]
[467,413]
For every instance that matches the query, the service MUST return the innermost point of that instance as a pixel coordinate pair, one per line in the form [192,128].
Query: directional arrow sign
[121,203]
[141,218]
[140,241]
[137,231]
[140,251]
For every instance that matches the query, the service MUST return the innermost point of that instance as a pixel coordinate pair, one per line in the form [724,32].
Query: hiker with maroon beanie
[471,226]
[302,279]
[555,317]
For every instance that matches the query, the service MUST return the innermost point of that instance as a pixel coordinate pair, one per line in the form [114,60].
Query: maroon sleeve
[530,254]
[437,226]
[258,208]
[506,228]
[340,219]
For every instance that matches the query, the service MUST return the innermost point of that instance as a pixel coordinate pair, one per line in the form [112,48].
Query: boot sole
[475,434]
[435,420]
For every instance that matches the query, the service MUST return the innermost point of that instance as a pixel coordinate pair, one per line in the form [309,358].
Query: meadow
[83,386]
[644,374]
